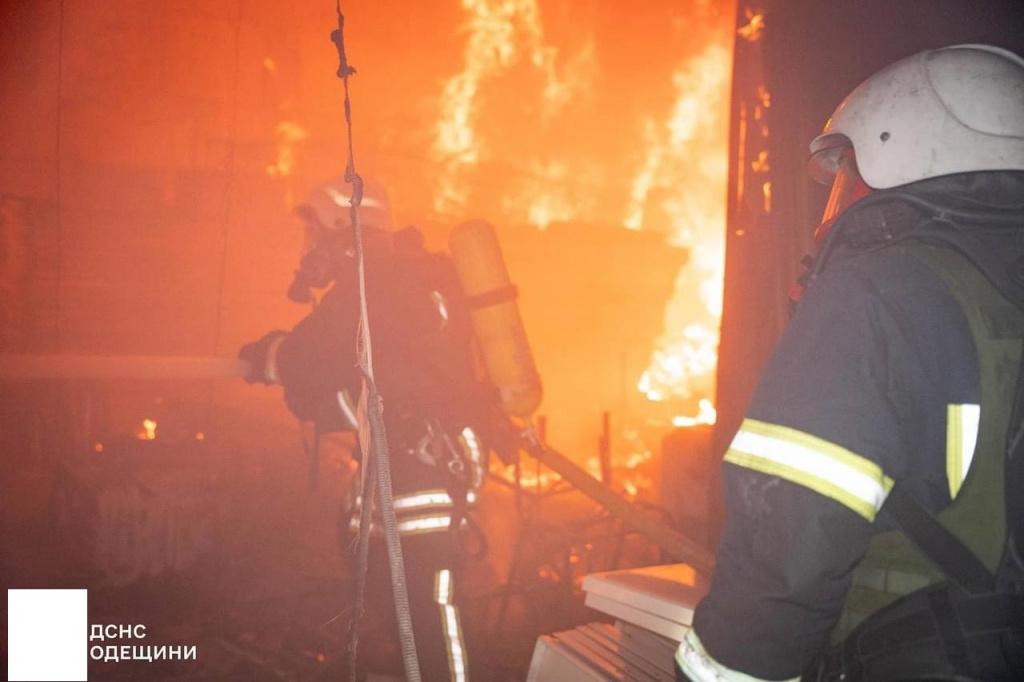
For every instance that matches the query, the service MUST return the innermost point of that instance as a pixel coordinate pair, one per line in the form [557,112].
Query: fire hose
[673,543]
[25,367]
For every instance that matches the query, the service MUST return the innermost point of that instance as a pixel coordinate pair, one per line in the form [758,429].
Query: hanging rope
[58,167]
[229,183]
[230,178]
[376,473]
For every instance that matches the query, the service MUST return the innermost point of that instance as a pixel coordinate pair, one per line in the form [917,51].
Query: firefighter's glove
[262,358]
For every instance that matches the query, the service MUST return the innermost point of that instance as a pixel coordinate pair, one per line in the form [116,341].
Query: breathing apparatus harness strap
[939,544]
[944,548]
[436,448]
[1014,558]
[943,629]
[921,214]
[996,326]
[493,297]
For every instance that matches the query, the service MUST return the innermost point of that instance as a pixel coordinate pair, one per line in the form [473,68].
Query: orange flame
[754,28]
[289,134]
[148,431]
[686,163]
[678,187]
[501,34]
[705,415]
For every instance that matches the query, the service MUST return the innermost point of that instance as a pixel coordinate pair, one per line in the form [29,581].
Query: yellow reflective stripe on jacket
[430,499]
[444,590]
[962,423]
[415,525]
[425,524]
[348,410]
[473,449]
[437,498]
[472,442]
[815,463]
[426,499]
[696,662]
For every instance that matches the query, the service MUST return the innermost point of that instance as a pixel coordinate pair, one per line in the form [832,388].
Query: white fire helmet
[328,205]
[939,112]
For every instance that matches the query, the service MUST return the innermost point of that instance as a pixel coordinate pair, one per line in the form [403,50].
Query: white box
[47,635]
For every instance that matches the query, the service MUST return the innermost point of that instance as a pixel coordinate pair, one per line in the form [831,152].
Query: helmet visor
[848,187]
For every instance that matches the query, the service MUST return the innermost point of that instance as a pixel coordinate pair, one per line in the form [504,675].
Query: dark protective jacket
[424,372]
[421,343]
[435,407]
[875,381]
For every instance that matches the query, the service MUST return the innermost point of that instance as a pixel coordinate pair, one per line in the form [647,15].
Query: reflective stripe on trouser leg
[444,587]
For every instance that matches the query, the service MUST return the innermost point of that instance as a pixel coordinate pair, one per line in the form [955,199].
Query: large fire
[500,34]
[593,116]
[676,186]
[690,151]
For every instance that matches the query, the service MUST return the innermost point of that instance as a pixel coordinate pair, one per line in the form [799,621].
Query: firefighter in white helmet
[873,488]
[435,407]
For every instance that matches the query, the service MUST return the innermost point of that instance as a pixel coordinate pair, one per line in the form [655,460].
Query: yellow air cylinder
[495,315]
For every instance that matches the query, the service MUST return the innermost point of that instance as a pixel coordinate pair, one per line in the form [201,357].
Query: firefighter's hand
[262,358]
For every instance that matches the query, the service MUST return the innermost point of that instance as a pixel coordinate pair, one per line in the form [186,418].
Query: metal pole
[605,449]
[39,367]
[674,544]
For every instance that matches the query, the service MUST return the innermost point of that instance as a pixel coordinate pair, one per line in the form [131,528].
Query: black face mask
[318,268]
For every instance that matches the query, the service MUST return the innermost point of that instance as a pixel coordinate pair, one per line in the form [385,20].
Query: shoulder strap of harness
[970,559]
[945,549]
[1015,487]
